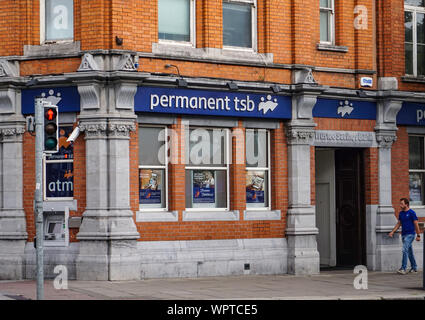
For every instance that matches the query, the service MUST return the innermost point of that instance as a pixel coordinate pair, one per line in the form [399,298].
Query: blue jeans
[408,251]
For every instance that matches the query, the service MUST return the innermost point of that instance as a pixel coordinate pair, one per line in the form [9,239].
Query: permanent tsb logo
[208,102]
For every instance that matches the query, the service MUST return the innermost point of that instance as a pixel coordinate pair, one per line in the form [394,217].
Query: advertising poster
[150,186]
[203,186]
[59,180]
[66,149]
[255,187]
[415,188]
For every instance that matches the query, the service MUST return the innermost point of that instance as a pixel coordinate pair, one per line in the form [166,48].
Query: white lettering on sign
[246,104]
[60,186]
[344,138]
[419,115]
[60,21]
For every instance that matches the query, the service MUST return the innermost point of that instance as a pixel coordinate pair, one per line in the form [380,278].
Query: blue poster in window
[255,187]
[150,186]
[66,149]
[59,180]
[203,186]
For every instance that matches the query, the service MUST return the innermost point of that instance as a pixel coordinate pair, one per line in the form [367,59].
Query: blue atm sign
[208,102]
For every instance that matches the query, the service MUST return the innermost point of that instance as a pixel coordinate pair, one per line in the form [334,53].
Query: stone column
[13,234]
[303,256]
[387,254]
[108,234]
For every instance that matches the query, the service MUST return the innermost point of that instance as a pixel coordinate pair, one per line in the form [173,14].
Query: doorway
[340,207]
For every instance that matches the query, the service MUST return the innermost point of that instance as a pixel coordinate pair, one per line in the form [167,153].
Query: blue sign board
[66,98]
[215,103]
[344,109]
[411,114]
[59,180]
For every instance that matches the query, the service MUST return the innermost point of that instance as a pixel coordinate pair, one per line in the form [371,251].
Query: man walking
[408,221]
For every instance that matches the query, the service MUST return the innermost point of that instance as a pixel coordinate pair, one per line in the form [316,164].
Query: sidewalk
[328,285]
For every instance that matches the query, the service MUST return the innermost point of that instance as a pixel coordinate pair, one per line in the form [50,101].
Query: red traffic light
[50,114]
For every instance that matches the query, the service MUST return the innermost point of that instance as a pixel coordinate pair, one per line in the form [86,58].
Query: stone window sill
[68,48]
[331,47]
[211,54]
[211,215]
[420,79]
[261,215]
[157,216]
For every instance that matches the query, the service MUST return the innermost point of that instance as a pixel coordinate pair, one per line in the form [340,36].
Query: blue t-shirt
[406,218]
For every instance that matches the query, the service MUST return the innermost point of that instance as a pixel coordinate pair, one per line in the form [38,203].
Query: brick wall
[288,30]
[191,230]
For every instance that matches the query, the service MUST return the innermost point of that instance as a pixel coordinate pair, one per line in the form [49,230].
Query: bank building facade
[217,138]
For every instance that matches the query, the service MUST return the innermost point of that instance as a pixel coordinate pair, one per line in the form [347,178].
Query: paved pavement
[329,285]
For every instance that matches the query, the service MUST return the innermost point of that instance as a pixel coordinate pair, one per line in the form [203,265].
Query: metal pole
[39,195]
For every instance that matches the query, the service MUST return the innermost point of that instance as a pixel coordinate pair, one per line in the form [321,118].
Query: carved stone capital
[300,135]
[119,129]
[12,133]
[385,139]
[94,130]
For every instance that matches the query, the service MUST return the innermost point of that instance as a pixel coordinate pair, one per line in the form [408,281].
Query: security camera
[74,135]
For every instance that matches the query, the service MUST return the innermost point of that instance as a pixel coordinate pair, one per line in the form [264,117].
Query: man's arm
[418,231]
[395,229]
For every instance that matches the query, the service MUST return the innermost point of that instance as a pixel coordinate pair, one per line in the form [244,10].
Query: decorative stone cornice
[126,63]
[8,69]
[88,63]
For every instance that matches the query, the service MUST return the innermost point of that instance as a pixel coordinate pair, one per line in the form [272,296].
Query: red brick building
[218,137]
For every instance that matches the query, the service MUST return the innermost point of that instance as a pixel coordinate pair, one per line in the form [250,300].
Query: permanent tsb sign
[209,102]
[411,114]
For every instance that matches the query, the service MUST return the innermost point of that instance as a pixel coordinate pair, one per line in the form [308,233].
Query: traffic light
[51,138]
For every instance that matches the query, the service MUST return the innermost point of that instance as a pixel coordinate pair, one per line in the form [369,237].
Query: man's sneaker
[413,270]
[401,271]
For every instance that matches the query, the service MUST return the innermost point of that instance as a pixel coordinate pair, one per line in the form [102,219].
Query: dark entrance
[350,207]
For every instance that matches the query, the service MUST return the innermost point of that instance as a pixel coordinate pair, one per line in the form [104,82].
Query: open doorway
[340,207]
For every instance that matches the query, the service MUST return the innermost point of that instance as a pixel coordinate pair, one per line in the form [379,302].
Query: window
[414,33]
[257,144]
[176,20]
[327,21]
[416,170]
[239,24]
[59,169]
[153,168]
[207,169]
[56,20]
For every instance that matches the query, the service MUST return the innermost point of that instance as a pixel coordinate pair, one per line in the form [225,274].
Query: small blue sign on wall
[66,98]
[344,109]
[208,102]
[411,114]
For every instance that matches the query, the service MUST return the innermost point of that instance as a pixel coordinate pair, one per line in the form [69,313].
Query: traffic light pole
[39,134]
